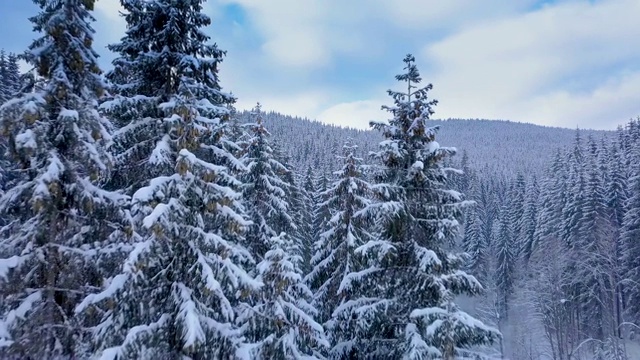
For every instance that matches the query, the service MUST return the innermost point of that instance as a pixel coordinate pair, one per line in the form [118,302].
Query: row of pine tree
[142,221]
[562,248]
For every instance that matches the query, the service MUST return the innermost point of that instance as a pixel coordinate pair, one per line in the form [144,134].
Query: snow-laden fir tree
[12,80]
[322,210]
[59,216]
[616,197]
[264,190]
[281,323]
[553,196]
[299,211]
[517,198]
[5,91]
[180,288]
[595,252]
[305,211]
[408,308]
[475,244]
[144,76]
[527,241]
[504,248]
[335,265]
[572,212]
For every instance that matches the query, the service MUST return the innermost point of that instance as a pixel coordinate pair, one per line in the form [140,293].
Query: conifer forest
[144,216]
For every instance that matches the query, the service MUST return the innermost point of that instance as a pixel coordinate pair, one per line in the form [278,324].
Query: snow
[52,174]
[67,114]
[21,311]
[113,353]
[116,284]
[349,279]
[10,263]
[428,258]
[26,139]
[192,332]
[433,147]
[160,153]
[158,212]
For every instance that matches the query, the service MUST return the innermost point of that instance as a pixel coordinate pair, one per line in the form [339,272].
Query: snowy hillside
[503,147]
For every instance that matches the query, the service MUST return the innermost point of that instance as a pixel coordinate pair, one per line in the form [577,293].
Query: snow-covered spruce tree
[5,93]
[143,77]
[408,307]
[179,290]
[299,210]
[335,265]
[475,244]
[517,198]
[12,80]
[10,77]
[305,210]
[595,252]
[60,217]
[505,249]
[530,221]
[281,322]
[616,197]
[572,212]
[553,196]
[264,191]
[322,211]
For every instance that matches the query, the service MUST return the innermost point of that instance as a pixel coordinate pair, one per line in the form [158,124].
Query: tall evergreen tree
[336,265]
[322,212]
[517,198]
[12,81]
[505,250]
[475,244]
[418,217]
[281,324]
[306,209]
[188,267]
[617,196]
[574,206]
[553,196]
[264,190]
[143,77]
[5,92]
[529,221]
[594,266]
[60,217]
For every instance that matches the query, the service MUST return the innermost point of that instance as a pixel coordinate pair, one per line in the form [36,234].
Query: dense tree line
[145,220]
[562,249]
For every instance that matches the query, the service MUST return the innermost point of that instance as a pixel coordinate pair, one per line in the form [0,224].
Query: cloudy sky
[561,63]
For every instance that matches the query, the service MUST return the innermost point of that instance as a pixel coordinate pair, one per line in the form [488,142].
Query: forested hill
[503,147]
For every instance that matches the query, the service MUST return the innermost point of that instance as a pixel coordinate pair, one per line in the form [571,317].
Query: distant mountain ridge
[498,146]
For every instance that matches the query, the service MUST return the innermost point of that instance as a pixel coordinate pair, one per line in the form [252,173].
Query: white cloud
[355,114]
[563,64]
[543,66]
[605,107]
[429,14]
[291,29]
[309,33]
